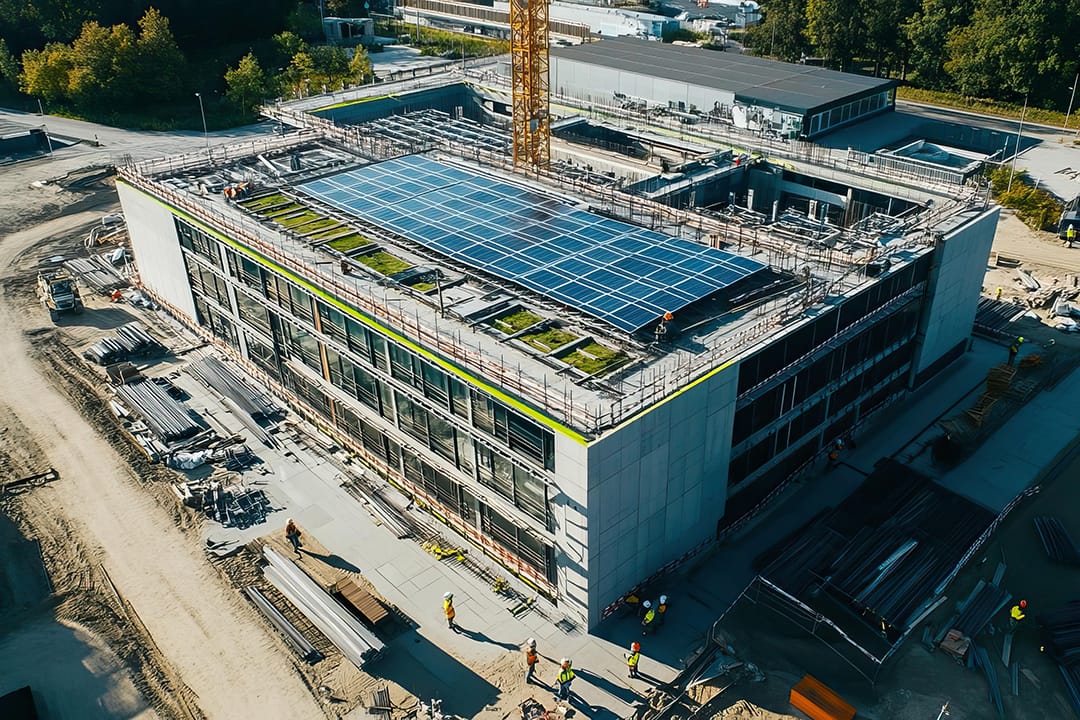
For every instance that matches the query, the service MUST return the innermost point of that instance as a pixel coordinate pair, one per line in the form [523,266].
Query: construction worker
[648,620]
[661,610]
[448,609]
[566,676]
[1014,349]
[998,296]
[1016,614]
[633,658]
[1070,235]
[531,659]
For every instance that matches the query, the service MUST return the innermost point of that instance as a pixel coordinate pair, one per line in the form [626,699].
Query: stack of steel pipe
[1061,638]
[1056,540]
[219,376]
[293,637]
[340,627]
[96,273]
[982,660]
[982,605]
[167,417]
[130,340]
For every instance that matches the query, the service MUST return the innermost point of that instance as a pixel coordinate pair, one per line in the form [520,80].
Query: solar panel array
[619,273]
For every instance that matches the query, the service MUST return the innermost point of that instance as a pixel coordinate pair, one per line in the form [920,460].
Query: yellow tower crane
[529,71]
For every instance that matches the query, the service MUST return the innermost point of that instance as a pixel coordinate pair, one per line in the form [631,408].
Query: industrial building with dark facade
[788,99]
[581,380]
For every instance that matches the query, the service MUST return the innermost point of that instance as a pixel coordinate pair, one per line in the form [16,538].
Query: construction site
[538,366]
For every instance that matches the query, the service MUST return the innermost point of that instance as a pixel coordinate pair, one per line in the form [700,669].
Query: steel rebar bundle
[129,341]
[167,417]
[222,378]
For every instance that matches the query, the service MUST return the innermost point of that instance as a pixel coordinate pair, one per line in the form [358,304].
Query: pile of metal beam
[982,660]
[993,317]
[1061,638]
[166,417]
[222,378]
[293,637]
[129,341]
[340,627]
[984,603]
[1056,540]
[97,272]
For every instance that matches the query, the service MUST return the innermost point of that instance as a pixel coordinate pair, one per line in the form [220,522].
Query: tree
[158,67]
[101,61]
[782,33]
[884,41]
[835,29]
[360,66]
[286,45]
[46,72]
[304,20]
[926,32]
[301,69]
[247,85]
[9,66]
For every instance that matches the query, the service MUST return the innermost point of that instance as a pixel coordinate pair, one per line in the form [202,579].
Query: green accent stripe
[446,365]
[677,393]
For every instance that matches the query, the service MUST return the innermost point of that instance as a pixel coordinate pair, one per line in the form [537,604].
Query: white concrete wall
[605,21]
[657,486]
[955,282]
[156,248]
[569,506]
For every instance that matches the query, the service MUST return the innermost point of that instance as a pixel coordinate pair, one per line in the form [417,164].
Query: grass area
[593,358]
[270,214]
[423,286]
[349,242]
[347,103]
[1037,208]
[548,340]
[301,219]
[383,262]
[444,42]
[331,232]
[264,202]
[516,321]
[321,224]
[986,107]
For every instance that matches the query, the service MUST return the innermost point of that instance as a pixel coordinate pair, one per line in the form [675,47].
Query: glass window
[252,312]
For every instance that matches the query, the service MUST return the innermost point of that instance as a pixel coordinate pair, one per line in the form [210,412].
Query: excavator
[59,293]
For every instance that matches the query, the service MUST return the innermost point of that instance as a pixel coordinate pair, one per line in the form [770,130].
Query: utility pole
[202,112]
[1071,98]
[1016,150]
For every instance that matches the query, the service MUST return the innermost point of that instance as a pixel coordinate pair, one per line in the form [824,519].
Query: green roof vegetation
[337,230]
[516,321]
[265,201]
[548,340]
[349,242]
[272,213]
[423,286]
[296,220]
[593,358]
[321,223]
[383,262]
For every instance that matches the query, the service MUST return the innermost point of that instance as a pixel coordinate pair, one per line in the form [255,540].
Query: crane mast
[529,71]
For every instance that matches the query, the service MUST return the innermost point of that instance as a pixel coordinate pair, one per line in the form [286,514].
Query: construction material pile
[981,606]
[1056,540]
[1061,638]
[340,627]
[231,502]
[222,378]
[293,637]
[129,341]
[165,416]
[98,271]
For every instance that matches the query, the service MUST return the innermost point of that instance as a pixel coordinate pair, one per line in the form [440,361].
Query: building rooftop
[788,86]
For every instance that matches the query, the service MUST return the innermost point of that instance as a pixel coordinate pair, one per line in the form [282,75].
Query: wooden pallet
[360,600]
[819,702]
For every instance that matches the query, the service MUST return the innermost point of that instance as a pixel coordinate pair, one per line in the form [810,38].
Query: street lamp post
[202,112]
[1071,98]
[1016,150]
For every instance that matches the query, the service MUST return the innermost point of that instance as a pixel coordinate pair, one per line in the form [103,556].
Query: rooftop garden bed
[593,358]
[336,231]
[266,201]
[548,340]
[315,225]
[516,321]
[302,219]
[383,262]
[271,213]
[349,242]
[423,286]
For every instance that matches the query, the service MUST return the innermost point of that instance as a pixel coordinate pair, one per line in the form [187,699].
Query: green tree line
[996,49]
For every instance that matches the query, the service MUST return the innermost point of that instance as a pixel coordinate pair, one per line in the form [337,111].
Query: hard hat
[647,604]
[1023,603]
[564,662]
[635,646]
[663,599]
[447,595]
[1020,339]
[531,642]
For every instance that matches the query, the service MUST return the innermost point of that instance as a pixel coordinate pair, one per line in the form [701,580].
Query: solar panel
[619,273]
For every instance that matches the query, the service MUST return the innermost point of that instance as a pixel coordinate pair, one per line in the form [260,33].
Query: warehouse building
[754,93]
[583,383]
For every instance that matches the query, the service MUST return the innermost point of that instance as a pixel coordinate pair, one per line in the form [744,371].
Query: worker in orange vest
[448,608]
[531,659]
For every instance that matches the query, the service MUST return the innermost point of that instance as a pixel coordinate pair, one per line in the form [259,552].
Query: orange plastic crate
[810,696]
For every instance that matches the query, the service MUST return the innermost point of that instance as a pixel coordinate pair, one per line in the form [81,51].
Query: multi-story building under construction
[582,380]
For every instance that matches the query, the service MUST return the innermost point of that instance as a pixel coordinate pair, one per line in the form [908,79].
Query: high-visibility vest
[1071,232]
[1017,613]
[566,676]
[531,657]
[650,615]
[448,608]
[632,658]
